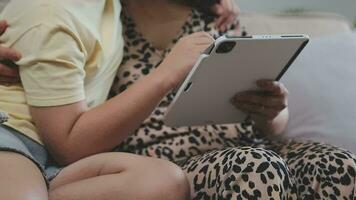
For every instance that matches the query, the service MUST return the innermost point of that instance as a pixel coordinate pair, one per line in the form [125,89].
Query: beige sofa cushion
[312,23]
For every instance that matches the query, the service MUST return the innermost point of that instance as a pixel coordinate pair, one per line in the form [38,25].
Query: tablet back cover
[205,96]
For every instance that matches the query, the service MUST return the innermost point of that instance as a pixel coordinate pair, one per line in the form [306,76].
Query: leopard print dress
[230,161]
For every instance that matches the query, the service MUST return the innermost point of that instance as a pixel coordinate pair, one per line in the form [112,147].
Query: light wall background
[343,7]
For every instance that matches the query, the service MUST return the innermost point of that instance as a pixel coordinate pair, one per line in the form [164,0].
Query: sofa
[322,81]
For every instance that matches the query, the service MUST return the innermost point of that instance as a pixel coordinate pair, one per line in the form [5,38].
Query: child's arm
[72,132]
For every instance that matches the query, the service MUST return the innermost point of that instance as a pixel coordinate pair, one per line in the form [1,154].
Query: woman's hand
[9,74]
[268,106]
[184,55]
[227,11]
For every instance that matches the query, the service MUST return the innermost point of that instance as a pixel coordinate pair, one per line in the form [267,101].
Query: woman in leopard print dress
[230,161]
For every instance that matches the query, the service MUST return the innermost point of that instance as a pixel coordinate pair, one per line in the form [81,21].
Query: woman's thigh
[120,176]
[320,170]
[20,178]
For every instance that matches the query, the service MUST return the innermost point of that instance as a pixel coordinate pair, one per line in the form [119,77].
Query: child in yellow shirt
[58,117]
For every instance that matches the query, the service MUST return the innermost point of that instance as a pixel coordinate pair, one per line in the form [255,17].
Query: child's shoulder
[30,12]
[24,16]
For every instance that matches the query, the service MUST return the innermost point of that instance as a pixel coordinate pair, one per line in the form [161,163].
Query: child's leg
[120,176]
[20,178]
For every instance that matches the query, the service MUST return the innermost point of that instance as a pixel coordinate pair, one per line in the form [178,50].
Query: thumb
[217,9]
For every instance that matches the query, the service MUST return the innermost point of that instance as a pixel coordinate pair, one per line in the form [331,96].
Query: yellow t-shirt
[71,51]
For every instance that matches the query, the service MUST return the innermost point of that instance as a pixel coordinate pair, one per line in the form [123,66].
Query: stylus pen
[3,117]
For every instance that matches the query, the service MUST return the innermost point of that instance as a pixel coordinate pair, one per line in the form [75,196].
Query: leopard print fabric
[141,58]
[230,161]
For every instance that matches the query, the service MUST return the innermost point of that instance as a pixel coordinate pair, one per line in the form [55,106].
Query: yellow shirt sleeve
[52,67]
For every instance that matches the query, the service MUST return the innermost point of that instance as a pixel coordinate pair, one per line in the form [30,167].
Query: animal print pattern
[230,161]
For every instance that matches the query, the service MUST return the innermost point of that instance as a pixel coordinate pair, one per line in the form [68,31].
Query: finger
[256,97]
[222,15]
[231,20]
[259,117]
[9,72]
[226,4]
[231,8]
[227,23]
[221,21]
[224,24]
[201,49]
[217,9]
[201,34]
[218,21]
[274,87]
[195,35]
[3,26]
[7,53]
[229,12]
[235,8]
[237,27]
[203,41]
[267,112]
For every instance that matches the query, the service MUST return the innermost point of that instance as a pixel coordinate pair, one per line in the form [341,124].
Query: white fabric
[322,85]
[312,23]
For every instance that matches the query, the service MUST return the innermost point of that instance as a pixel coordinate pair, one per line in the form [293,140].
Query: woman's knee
[262,166]
[322,170]
[322,162]
[239,173]
[256,173]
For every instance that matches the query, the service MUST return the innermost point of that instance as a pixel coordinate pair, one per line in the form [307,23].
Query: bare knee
[125,175]
[20,178]
[165,180]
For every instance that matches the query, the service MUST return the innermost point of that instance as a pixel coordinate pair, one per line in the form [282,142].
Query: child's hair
[203,5]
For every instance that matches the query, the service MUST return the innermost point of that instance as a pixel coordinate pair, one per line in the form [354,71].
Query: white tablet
[231,65]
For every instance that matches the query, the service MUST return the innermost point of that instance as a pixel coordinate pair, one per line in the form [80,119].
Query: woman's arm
[268,107]
[72,132]
[227,12]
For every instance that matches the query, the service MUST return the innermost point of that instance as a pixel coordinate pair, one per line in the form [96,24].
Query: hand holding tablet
[233,65]
[265,103]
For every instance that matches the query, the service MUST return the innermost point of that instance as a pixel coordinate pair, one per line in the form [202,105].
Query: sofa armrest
[315,24]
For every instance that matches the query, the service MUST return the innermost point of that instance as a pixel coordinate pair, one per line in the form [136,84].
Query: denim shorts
[13,141]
